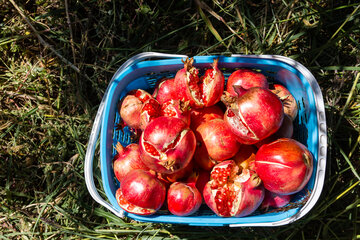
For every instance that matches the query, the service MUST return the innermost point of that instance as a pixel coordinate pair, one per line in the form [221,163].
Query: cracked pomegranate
[254,116]
[233,193]
[167,145]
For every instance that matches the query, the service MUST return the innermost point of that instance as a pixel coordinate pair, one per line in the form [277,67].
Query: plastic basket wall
[309,129]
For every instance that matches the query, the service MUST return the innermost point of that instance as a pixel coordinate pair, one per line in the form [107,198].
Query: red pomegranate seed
[151,149]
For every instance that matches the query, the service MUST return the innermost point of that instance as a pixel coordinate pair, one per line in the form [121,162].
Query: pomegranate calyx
[227,98]
[307,159]
[119,148]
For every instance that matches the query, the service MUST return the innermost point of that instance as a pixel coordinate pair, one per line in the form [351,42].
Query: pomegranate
[166,90]
[201,92]
[201,115]
[167,145]
[127,159]
[141,193]
[254,116]
[216,142]
[150,110]
[274,200]
[183,199]
[178,109]
[289,102]
[285,131]
[231,193]
[130,107]
[285,166]
[244,79]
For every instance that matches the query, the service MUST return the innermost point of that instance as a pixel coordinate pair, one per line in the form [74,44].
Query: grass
[57,58]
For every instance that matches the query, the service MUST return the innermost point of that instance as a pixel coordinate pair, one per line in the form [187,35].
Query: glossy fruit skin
[274,200]
[141,193]
[216,142]
[245,79]
[255,115]
[167,145]
[285,166]
[201,115]
[200,91]
[183,199]
[241,193]
[289,102]
[166,90]
[127,159]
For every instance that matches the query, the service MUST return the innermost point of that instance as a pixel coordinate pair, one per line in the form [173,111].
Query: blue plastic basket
[143,71]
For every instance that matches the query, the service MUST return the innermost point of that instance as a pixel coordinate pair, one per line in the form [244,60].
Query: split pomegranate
[127,159]
[167,145]
[166,90]
[201,115]
[244,79]
[274,200]
[285,166]
[231,193]
[201,92]
[141,193]
[150,110]
[178,109]
[289,102]
[254,116]
[183,199]
[216,142]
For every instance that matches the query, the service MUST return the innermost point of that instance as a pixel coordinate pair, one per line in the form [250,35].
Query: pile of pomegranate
[203,141]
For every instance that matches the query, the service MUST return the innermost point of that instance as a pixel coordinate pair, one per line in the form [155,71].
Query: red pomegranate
[127,159]
[183,199]
[216,142]
[244,79]
[167,145]
[285,166]
[201,115]
[141,193]
[289,102]
[254,116]
[166,90]
[201,92]
[131,107]
[178,109]
[231,193]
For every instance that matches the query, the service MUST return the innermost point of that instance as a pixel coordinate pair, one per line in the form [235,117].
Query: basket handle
[90,151]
